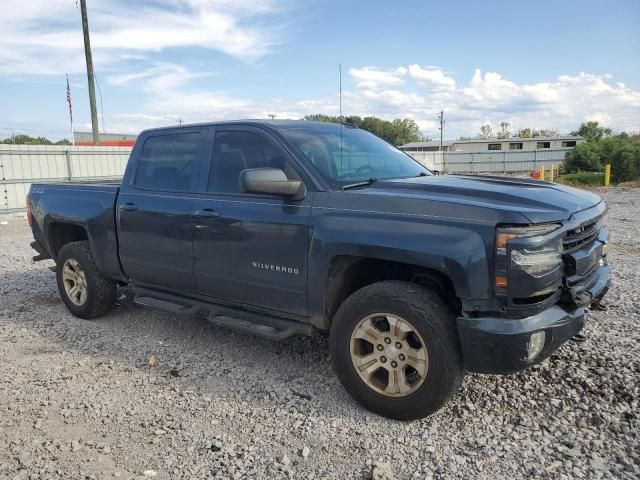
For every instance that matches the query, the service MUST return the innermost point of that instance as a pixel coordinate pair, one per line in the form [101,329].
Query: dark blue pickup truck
[279,228]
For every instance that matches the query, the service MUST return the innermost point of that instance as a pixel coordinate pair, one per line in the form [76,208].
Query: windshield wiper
[359,184]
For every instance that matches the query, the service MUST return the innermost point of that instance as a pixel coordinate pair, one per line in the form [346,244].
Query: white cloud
[561,103]
[431,77]
[45,36]
[372,78]
[157,78]
[490,87]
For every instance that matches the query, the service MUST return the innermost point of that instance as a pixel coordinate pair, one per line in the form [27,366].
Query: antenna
[441,118]
[340,72]
[101,107]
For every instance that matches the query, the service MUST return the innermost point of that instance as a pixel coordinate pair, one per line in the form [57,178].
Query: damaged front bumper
[505,345]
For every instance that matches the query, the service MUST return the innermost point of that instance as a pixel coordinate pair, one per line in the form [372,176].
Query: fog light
[536,344]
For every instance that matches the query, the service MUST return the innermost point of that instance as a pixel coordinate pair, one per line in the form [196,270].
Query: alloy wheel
[389,354]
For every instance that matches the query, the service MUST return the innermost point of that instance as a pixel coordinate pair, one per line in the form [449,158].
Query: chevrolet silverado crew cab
[280,228]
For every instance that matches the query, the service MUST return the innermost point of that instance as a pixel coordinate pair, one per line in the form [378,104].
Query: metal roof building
[106,139]
[496,144]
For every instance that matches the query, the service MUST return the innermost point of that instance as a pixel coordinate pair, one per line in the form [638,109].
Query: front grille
[580,236]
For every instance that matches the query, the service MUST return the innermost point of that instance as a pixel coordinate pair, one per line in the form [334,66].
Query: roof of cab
[275,124]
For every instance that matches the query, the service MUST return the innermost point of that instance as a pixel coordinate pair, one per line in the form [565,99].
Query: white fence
[489,162]
[22,165]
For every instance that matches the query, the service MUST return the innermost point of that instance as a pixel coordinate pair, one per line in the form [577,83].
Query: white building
[497,144]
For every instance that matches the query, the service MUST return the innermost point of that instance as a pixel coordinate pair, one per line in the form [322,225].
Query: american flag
[69,100]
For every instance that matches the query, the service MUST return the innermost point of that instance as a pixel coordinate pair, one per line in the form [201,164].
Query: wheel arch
[61,233]
[348,273]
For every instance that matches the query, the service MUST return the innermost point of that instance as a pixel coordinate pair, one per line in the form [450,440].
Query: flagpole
[73,140]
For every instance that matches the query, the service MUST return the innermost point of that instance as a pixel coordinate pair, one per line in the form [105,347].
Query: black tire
[435,323]
[101,292]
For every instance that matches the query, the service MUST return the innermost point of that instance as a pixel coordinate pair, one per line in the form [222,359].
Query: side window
[167,162]
[237,151]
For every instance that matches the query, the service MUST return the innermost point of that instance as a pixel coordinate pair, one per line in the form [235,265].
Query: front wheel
[395,348]
[84,290]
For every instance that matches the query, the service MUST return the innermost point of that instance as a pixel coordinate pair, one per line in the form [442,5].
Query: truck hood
[537,201]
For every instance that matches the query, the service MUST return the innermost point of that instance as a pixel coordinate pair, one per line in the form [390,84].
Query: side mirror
[271,181]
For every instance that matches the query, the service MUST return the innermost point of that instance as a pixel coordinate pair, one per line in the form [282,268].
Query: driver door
[250,249]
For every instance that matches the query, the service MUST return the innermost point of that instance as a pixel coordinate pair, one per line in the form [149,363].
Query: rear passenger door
[251,249]
[155,209]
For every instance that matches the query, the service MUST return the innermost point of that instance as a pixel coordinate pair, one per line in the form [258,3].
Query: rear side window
[167,162]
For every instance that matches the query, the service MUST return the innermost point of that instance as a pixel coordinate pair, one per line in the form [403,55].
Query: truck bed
[88,205]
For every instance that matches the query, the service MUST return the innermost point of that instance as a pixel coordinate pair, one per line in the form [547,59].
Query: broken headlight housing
[536,257]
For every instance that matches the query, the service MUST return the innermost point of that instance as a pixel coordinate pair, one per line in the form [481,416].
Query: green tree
[618,150]
[27,140]
[592,131]
[504,130]
[544,132]
[486,131]
[584,158]
[524,133]
[397,132]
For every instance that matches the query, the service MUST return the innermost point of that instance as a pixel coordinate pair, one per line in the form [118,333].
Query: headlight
[536,261]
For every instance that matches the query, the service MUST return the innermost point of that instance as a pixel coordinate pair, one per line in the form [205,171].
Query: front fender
[458,251]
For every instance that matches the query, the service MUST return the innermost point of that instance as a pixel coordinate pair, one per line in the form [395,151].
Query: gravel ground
[78,399]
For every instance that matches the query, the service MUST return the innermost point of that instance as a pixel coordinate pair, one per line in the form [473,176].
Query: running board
[165,305]
[262,325]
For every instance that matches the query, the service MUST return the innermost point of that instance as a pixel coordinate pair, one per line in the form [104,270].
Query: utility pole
[441,118]
[271,115]
[180,121]
[92,88]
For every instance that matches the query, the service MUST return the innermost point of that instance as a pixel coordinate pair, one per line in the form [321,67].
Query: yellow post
[551,173]
[541,172]
[607,174]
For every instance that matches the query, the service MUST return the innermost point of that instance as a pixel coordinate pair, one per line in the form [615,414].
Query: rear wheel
[84,290]
[394,346]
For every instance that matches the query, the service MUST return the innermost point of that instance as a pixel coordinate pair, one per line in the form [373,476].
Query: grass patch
[582,179]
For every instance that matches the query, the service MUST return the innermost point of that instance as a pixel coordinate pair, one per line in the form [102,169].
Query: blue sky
[548,64]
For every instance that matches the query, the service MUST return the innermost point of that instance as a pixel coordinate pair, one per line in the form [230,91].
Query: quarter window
[495,146]
[167,162]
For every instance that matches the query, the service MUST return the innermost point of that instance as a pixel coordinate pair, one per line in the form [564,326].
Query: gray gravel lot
[78,399]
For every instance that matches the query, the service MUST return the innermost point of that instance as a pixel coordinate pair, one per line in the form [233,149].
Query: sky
[543,64]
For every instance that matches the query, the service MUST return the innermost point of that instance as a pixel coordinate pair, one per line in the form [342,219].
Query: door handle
[129,207]
[206,213]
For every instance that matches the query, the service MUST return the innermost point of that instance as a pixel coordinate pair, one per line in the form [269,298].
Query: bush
[582,178]
[584,158]
[619,151]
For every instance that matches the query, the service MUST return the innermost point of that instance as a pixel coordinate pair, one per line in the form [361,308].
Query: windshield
[344,154]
